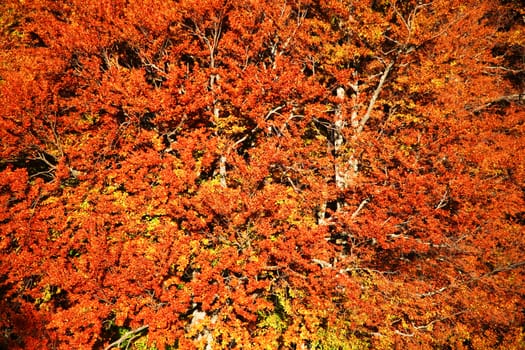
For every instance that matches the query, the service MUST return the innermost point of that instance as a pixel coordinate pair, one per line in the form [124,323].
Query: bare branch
[497,270]
[127,337]
[360,207]
[323,264]
[443,201]
[493,272]
[404,334]
[432,293]
[273,111]
[507,98]
[426,326]
[506,69]
[374,97]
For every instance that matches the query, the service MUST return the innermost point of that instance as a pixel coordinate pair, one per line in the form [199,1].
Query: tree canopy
[241,174]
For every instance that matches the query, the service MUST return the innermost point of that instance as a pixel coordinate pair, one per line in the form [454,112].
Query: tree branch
[360,207]
[374,97]
[128,336]
[495,271]
[507,98]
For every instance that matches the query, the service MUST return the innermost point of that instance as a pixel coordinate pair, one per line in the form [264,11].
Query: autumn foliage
[242,174]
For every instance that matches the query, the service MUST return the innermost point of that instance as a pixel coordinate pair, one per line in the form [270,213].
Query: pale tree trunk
[346,166]
[352,163]
[205,335]
[340,172]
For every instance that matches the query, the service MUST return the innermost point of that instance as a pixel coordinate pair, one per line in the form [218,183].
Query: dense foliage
[256,174]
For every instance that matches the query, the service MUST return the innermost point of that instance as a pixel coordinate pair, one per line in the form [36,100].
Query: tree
[261,174]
